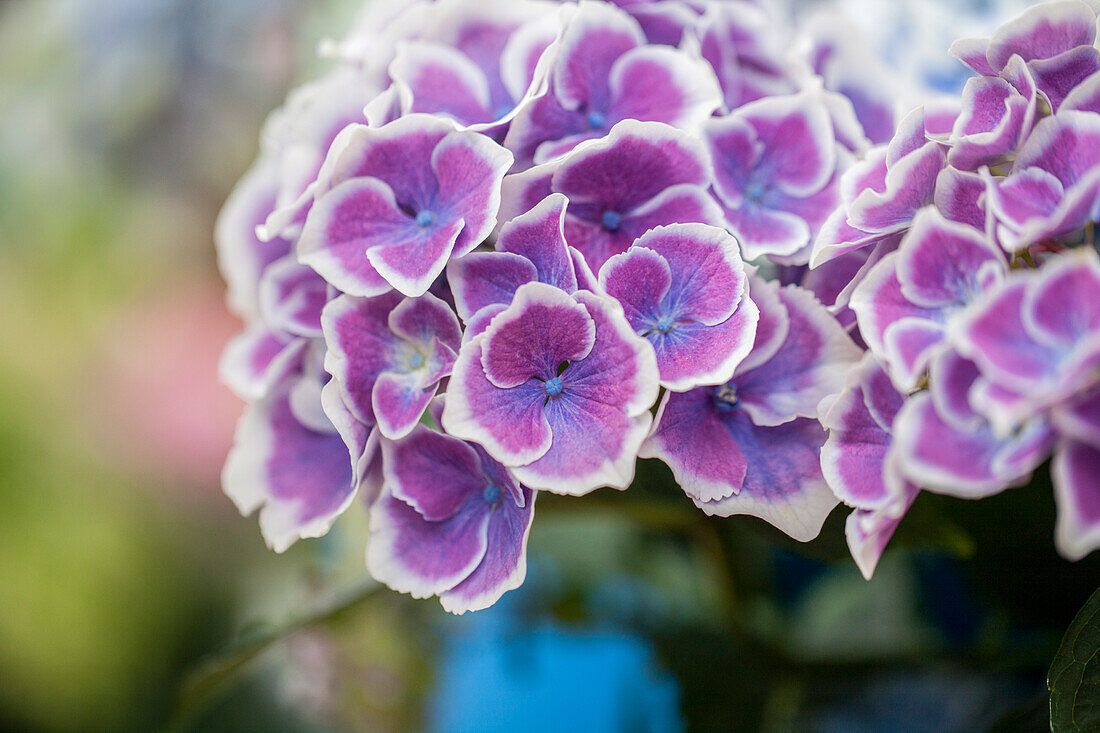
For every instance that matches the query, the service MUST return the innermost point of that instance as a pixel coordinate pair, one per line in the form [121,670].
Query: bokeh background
[133,597]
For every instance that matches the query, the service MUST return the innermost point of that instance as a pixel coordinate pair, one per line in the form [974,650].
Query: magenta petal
[783,483]
[470,168]
[1079,419]
[969,463]
[398,401]
[343,224]
[509,422]
[868,531]
[808,366]
[1042,32]
[504,565]
[541,329]
[597,35]
[413,263]
[441,80]
[694,354]
[910,183]
[257,359]
[971,51]
[483,278]
[1057,77]
[300,478]
[431,472]
[414,555]
[292,296]
[853,458]
[360,347]
[1076,473]
[707,271]
[764,231]
[662,84]
[943,264]
[690,438]
[639,279]
[539,236]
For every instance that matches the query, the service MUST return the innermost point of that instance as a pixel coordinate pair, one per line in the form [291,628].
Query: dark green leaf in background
[1074,678]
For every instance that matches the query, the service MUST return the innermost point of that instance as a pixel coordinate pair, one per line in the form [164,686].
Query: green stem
[220,672]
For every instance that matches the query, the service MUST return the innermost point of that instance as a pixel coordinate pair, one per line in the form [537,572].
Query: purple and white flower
[642,175]
[775,166]
[558,388]
[394,203]
[682,287]
[388,354]
[751,445]
[450,522]
[907,300]
[604,73]
[859,464]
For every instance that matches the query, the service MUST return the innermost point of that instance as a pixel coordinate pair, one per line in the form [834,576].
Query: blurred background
[133,597]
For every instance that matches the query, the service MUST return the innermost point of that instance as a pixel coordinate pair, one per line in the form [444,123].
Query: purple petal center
[492,494]
[725,398]
[554,386]
[664,324]
[416,361]
[596,120]
[425,218]
[755,191]
[611,220]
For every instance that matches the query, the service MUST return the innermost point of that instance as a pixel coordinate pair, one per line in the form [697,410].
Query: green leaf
[1074,677]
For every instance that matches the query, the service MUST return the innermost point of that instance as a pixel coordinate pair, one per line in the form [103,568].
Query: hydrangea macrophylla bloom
[558,388]
[858,464]
[682,287]
[642,175]
[1037,337]
[292,466]
[394,203]
[839,54]
[741,43]
[1076,472]
[906,301]
[450,522]
[388,354]
[1053,41]
[944,445]
[475,63]
[775,162]
[604,73]
[995,119]
[1054,187]
[881,194]
[529,248]
[751,446]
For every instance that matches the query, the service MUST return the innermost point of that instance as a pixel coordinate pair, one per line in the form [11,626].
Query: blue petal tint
[554,386]
[611,220]
[425,218]
[596,120]
[416,361]
[491,494]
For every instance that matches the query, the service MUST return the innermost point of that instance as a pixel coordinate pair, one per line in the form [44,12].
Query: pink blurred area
[170,420]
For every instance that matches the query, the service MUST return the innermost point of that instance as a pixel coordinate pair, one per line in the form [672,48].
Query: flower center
[755,191]
[491,495]
[611,220]
[596,120]
[416,361]
[425,218]
[553,386]
[725,398]
[664,324]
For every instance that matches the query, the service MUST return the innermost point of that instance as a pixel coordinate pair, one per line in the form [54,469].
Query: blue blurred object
[494,675]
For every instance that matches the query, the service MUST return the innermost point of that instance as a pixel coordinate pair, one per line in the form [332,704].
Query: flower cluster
[976,289]
[502,248]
